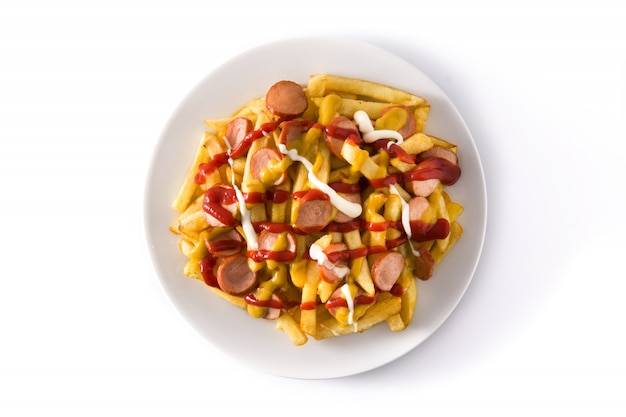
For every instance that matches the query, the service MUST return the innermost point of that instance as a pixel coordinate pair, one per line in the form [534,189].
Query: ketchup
[422,231]
[206,269]
[394,150]
[361,299]
[208,167]
[214,200]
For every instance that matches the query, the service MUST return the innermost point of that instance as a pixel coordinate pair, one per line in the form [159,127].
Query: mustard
[394,119]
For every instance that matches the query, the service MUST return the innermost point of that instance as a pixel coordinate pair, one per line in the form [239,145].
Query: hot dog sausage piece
[337,131]
[226,244]
[409,128]
[341,217]
[237,130]
[273,241]
[424,263]
[422,188]
[314,215]
[286,99]
[261,159]
[332,275]
[417,207]
[387,269]
[440,152]
[235,277]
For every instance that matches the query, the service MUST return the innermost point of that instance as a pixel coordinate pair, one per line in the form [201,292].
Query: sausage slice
[235,277]
[440,152]
[226,244]
[330,274]
[410,127]
[314,215]
[267,241]
[417,207]
[337,131]
[424,264]
[422,188]
[237,130]
[341,217]
[261,159]
[286,99]
[387,269]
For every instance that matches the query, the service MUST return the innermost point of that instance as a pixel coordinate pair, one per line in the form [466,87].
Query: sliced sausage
[268,241]
[341,217]
[422,188]
[235,277]
[424,263]
[333,275]
[410,126]
[440,152]
[286,99]
[417,207]
[237,130]
[261,159]
[387,269]
[226,244]
[314,215]
[275,309]
[337,131]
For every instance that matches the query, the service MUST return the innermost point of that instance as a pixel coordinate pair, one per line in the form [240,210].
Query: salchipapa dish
[319,206]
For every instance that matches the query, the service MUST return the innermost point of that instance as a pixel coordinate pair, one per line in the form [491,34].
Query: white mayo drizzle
[345,289]
[369,133]
[347,207]
[317,254]
[406,219]
[246,222]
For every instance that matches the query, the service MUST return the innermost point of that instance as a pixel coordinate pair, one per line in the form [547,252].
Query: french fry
[291,327]
[319,84]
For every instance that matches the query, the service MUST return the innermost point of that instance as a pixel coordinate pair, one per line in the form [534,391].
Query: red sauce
[208,167]
[206,269]
[225,245]
[394,151]
[342,187]
[439,168]
[261,255]
[382,226]
[310,195]
[361,299]
[277,196]
[344,227]
[214,200]
[396,290]
[422,231]
[271,227]
[308,305]
[386,181]
[343,133]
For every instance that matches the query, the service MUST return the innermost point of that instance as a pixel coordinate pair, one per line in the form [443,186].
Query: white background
[85,90]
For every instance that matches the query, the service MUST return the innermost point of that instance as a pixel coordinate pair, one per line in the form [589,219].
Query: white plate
[256,341]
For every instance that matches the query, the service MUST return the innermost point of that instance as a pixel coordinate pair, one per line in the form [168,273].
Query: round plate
[255,341]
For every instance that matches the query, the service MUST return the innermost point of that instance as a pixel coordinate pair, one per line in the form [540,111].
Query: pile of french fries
[328,96]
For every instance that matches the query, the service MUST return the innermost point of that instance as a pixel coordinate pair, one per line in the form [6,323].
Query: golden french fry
[319,84]
[291,327]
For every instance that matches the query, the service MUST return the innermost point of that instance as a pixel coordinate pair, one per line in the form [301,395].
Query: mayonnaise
[349,208]
[317,254]
[406,219]
[246,222]
[368,132]
[345,290]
